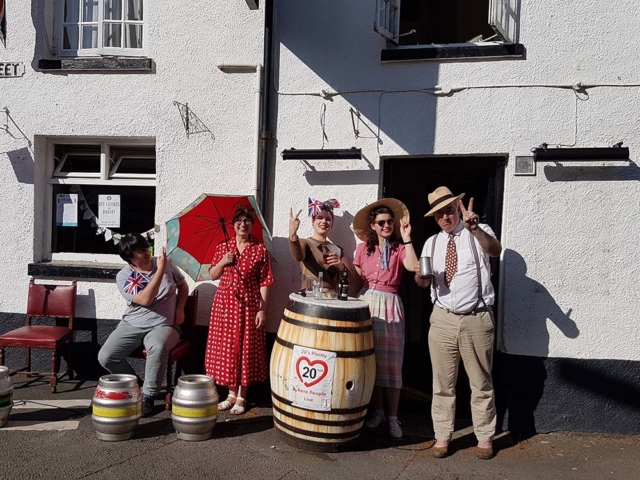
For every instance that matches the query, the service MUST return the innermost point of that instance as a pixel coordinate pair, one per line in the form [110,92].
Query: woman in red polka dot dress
[236,352]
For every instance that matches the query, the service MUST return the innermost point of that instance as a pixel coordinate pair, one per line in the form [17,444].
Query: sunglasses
[381,223]
[243,220]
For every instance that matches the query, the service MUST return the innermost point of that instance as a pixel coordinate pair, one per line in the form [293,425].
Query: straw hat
[440,198]
[361,225]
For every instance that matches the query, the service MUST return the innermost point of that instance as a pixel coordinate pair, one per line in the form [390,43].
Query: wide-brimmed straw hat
[361,223]
[440,198]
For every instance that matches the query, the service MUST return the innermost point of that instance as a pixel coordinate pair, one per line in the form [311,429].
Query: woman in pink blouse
[379,261]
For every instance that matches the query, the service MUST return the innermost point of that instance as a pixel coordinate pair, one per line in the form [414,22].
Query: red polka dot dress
[236,351]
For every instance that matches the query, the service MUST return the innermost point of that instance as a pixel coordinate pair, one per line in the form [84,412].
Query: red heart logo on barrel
[308,371]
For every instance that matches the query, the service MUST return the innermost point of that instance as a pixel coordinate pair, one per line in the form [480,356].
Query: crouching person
[155,292]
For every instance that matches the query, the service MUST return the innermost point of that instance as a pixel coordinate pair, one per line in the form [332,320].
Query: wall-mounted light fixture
[323,154]
[545,154]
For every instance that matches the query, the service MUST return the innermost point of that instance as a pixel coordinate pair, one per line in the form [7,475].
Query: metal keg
[6,396]
[117,407]
[194,409]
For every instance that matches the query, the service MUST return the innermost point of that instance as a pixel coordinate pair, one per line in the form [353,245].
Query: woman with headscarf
[379,260]
[316,253]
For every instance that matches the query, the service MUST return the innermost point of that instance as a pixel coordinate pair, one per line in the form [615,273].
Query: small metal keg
[117,407]
[6,396]
[194,409]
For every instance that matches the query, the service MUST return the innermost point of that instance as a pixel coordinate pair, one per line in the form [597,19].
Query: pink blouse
[374,277]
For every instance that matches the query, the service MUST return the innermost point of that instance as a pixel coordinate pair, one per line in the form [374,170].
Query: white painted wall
[185,46]
[578,239]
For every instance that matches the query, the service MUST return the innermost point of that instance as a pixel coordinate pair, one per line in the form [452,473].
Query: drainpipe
[265,133]
[257,68]
[264,79]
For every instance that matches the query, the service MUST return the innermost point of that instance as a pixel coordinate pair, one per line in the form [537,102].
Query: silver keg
[117,407]
[6,396]
[194,409]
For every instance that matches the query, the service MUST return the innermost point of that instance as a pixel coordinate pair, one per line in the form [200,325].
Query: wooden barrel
[322,371]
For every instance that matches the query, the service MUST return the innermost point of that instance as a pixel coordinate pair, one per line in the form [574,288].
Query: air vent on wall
[525,166]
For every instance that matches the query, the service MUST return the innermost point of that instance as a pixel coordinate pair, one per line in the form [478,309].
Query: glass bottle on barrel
[343,285]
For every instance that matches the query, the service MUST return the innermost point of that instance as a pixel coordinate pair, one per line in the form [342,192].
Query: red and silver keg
[194,409]
[117,407]
[6,396]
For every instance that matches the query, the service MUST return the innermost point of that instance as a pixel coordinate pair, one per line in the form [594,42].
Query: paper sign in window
[67,210]
[109,211]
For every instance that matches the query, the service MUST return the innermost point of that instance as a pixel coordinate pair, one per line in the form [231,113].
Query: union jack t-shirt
[135,283]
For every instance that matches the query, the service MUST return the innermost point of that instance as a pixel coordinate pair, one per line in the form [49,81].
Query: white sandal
[237,409]
[227,404]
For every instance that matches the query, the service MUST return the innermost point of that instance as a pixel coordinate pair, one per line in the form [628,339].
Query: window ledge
[500,51]
[95,64]
[89,270]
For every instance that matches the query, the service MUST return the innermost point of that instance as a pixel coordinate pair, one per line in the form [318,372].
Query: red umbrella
[193,234]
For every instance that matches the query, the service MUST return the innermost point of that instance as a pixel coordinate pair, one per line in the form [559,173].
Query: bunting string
[109,235]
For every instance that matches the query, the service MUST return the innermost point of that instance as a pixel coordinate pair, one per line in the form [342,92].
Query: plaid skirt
[387,314]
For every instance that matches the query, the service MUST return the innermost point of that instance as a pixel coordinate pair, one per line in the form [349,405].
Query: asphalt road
[248,447]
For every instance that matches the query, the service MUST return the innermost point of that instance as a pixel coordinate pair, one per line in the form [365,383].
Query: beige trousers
[469,337]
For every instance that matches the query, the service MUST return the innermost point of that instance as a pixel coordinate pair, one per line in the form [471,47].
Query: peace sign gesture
[294,222]
[470,219]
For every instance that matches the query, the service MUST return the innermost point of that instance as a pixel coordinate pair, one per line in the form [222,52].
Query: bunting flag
[3,24]
[109,235]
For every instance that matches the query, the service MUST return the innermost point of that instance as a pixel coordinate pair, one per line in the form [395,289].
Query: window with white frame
[426,22]
[102,27]
[87,181]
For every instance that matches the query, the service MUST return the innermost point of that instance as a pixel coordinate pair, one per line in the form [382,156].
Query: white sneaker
[376,420]
[394,429]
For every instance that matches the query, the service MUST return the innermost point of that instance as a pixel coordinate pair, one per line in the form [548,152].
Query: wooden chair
[183,348]
[57,301]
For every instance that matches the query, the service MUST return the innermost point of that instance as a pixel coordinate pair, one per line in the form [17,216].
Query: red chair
[183,349]
[57,301]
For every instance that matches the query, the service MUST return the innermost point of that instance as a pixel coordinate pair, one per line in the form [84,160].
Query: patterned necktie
[451,261]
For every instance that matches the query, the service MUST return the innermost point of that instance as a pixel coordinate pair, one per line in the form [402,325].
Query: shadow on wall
[531,305]
[42,19]
[22,164]
[519,379]
[339,45]
[611,173]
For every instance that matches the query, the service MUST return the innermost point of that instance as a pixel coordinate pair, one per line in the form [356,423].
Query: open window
[426,22]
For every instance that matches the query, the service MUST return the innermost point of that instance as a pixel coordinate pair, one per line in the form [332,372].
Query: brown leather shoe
[439,452]
[485,453]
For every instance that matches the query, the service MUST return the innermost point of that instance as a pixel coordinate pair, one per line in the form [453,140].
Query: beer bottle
[343,285]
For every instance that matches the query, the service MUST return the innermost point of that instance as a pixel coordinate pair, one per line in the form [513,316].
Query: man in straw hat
[462,324]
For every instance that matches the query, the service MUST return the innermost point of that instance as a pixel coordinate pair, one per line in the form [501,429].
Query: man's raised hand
[470,219]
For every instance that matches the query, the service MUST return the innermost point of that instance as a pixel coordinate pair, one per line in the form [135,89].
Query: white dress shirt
[462,294]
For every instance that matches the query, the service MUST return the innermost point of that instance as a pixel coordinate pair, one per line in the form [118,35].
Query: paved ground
[65,446]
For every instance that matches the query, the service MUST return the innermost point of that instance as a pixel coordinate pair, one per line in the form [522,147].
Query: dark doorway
[410,179]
